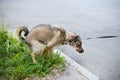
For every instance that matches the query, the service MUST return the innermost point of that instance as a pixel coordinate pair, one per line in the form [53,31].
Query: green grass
[16,62]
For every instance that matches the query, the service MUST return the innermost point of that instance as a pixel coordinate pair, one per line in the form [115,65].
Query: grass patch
[16,62]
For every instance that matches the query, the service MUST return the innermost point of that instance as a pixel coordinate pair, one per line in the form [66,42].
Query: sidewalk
[71,74]
[74,71]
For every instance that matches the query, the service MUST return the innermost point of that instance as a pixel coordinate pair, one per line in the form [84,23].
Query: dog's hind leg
[37,48]
[33,57]
[51,51]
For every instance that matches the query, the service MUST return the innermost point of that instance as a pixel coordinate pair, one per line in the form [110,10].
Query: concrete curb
[79,68]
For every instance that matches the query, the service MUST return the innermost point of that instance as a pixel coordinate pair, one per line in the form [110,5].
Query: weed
[16,62]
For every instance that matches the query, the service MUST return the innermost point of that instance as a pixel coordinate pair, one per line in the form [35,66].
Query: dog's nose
[80,51]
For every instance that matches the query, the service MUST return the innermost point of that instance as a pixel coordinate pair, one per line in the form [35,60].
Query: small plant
[16,62]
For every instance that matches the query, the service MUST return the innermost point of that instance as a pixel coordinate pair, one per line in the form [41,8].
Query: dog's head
[76,43]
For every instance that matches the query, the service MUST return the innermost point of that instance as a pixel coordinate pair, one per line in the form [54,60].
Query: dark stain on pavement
[101,37]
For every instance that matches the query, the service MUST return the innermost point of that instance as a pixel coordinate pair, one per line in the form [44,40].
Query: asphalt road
[88,18]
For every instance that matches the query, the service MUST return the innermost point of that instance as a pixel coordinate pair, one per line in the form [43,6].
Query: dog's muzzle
[80,51]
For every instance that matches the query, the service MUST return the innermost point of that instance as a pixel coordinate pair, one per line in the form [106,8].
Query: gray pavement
[88,18]
[71,74]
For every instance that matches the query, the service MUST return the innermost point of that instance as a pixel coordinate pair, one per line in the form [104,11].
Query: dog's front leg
[50,46]
[53,42]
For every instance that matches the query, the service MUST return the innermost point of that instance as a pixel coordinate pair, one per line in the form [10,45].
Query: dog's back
[42,33]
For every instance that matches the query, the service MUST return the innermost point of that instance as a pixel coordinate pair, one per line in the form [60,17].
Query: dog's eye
[70,41]
[78,45]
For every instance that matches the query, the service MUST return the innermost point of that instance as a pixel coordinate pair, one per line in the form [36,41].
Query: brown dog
[49,36]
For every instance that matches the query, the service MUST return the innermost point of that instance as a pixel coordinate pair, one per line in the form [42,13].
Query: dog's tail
[19,31]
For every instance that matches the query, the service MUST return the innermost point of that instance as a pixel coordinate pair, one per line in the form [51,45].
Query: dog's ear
[75,36]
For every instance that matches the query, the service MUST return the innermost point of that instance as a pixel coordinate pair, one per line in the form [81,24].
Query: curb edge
[79,68]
